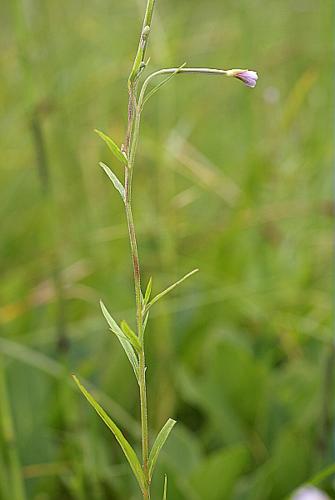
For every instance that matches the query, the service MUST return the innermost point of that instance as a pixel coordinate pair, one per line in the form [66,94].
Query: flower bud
[248,77]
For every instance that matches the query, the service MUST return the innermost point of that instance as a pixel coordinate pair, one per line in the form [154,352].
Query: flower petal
[249,78]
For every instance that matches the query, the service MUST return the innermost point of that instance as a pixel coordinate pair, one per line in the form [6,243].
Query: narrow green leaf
[161,84]
[165,488]
[122,338]
[145,321]
[158,444]
[169,289]
[131,336]
[148,291]
[113,147]
[114,179]
[126,447]
[322,475]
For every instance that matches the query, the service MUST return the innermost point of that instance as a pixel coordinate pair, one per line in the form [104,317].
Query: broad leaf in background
[126,447]
[235,405]
[216,476]
[289,470]
[257,484]
[182,451]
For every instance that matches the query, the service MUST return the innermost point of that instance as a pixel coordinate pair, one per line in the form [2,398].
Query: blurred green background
[234,181]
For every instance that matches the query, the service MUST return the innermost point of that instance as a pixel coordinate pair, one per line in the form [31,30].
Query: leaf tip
[102,305]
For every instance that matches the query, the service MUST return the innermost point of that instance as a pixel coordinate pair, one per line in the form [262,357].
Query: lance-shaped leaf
[169,289]
[114,179]
[148,291]
[122,338]
[165,488]
[145,321]
[126,447]
[113,147]
[131,336]
[158,444]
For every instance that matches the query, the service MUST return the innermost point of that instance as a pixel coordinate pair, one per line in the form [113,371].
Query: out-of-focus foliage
[234,181]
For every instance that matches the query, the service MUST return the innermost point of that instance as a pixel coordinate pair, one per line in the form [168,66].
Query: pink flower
[248,77]
[309,493]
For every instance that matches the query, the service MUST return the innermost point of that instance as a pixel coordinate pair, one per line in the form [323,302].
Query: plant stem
[139,321]
[130,149]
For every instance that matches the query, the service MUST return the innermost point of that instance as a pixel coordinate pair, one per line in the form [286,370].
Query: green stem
[130,147]
[142,46]
[139,321]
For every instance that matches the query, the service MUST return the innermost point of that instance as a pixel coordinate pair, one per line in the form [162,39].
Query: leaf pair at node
[120,155]
[114,148]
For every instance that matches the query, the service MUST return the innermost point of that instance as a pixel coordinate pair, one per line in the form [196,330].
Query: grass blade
[169,289]
[8,436]
[165,488]
[158,444]
[126,447]
[113,147]
[131,336]
[117,184]
[122,338]
[52,368]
